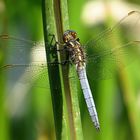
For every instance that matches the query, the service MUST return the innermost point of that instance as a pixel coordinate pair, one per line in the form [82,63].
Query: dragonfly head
[68,35]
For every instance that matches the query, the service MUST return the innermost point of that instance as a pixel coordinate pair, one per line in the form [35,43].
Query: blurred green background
[29,116]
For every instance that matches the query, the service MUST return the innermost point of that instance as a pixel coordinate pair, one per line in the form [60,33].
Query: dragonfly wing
[18,49]
[35,75]
[110,47]
[111,35]
[105,63]
[26,60]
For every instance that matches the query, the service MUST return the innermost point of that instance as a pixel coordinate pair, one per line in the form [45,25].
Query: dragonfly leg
[65,62]
[54,48]
[78,39]
[54,45]
[54,39]
[60,63]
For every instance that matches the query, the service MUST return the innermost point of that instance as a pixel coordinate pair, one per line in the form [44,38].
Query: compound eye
[65,39]
[74,34]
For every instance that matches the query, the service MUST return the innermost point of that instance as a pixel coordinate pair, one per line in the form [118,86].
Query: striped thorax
[74,48]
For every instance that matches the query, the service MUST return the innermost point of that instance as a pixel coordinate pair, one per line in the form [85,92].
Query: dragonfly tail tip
[98,128]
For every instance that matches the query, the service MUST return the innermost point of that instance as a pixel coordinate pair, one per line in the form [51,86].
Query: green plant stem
[130,101]
[53,70]
[64,97]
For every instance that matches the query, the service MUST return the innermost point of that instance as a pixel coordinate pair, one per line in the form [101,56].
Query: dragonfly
[95,52]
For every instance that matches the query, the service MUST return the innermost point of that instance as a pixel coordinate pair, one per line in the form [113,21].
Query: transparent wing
[103,52]
[20,49]
[25,61]
[116,46]
[28,74]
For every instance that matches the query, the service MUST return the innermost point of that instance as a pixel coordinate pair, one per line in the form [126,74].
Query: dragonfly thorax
[76,52]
